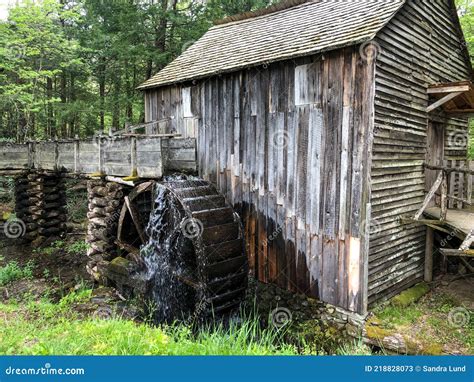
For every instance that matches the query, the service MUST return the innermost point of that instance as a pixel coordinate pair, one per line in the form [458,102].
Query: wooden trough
[136,156]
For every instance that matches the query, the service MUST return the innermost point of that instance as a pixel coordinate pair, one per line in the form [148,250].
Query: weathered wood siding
[420,47]
[288,146]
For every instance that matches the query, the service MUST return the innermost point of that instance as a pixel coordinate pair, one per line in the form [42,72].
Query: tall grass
[45,328]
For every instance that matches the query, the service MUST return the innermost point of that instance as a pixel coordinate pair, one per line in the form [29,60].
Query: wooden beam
[449,88]
[430,195]
[442,101]
[137,221]
[410,220]
[450,169]
[466,244]
[457,252]
[460,111]
[119,180]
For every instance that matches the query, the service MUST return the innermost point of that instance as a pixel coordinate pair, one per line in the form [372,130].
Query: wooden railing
[159,126]
[453,186]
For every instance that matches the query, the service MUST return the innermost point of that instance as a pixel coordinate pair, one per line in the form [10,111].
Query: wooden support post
[76,154]
[101,155]
[31,154]
[444,196]
[429,255]
[133,156]
[56,155]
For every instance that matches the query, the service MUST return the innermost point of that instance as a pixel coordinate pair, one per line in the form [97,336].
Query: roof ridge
[281,6]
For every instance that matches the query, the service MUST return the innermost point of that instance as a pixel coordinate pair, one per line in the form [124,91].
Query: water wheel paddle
[191,243]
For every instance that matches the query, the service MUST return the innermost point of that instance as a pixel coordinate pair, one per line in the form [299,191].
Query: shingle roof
[312,27]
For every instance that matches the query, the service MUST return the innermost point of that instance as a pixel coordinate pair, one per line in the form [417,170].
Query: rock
[38,241]
[353,331]
[4,295]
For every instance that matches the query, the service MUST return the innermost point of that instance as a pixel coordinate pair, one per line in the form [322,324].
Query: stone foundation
[105,203]
[299,309]
[40,203]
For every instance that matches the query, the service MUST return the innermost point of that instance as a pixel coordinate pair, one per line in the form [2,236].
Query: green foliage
[466,15]
[13,271]
[78,247]
[55,246]
[76,204]
[71,68]
[355,347]
[46,328]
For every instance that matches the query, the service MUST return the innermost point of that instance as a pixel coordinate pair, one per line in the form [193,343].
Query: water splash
[168,257]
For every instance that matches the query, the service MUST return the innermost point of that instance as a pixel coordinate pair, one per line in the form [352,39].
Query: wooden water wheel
[212,262]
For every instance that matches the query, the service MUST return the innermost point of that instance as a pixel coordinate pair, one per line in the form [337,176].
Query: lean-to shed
[313,118]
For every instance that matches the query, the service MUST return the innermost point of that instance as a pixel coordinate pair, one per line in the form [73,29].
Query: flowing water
[168,258]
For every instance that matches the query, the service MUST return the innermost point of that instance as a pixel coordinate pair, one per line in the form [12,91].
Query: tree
[71,67]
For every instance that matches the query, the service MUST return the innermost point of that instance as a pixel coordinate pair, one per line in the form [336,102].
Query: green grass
[427,322]
[12,271]
[44,328]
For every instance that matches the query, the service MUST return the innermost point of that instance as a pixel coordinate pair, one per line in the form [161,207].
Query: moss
[121,266]
[376,332]
[318,337]
[411,295]
[432,349]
